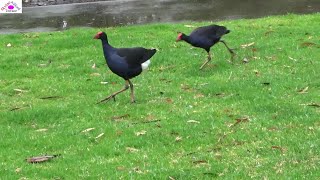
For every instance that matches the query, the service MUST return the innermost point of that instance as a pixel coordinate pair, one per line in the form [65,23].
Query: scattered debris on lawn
[40,159]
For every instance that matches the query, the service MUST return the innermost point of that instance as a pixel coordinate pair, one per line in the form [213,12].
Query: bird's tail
[227,31]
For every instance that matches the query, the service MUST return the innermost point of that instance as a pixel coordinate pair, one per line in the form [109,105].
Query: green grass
[277,135]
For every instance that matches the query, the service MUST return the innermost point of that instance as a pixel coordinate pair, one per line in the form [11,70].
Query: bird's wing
[211,31]
[135,56]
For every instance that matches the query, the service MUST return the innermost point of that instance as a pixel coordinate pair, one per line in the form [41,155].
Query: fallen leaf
[143,132]
[220,94]
[280,148]
[273,129]
[165,80]
[240,120]
[307,44]
[18,170]
[99,136]
[171,178]
[303,90]
[256,72]
[9,45]
[40,159]
[245,60]
[45,64]
[131,149]
[121,168]
[268,32]
[103,82]
[51,97]
[169,100]
[193,121]
[200,162]
[41,130]
[118,118]
[20,90]
[314,104]
[198,96]
[292,58]
[150,117]
[94,66]
[178,138]
[247,45]
[137,170]
[95,74]
[87,130]
[18,108]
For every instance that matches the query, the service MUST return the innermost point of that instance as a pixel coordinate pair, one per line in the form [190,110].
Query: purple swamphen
[125,62]
[205,37]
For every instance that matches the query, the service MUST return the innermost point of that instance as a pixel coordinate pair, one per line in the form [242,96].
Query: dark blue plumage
[125,62]
[205,37]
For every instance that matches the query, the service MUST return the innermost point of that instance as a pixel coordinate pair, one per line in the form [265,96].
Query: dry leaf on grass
[18,170]
[291,58]
[193,121]
[307,44]
[178,138]
[40,159]
[143,132]
[247,45]
[51,97]
[169,100]
[118,118]
[198,96]
[99,136]
[20,90]
[42,130]
[87,130]
[303,90]
[240,120]
[201,162]
[311,104]
[131,149]
[279,148]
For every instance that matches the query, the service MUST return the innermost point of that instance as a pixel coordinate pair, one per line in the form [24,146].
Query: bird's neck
[186,38]
[107,48]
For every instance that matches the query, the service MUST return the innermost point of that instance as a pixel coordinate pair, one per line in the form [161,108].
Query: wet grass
[257,118]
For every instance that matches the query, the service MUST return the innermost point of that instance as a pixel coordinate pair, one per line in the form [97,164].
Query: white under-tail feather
[145,65]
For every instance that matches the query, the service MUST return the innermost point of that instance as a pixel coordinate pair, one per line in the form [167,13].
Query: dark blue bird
[205,37]
[125,62]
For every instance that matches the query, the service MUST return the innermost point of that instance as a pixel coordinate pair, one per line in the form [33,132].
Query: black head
[100,35]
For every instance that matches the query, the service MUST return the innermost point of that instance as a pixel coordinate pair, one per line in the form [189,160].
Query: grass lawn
[256,118]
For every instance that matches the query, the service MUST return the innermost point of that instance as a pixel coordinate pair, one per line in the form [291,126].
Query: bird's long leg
[229,49]
[208,60]
[131,93]
[126,86]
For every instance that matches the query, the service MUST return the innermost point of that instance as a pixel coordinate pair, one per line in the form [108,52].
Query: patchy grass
[258,119]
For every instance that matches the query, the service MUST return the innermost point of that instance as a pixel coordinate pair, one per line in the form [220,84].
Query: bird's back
[211,31]
[135,56]
[127,62]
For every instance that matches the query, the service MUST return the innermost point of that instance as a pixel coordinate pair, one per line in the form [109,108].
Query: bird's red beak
[97,36]
[179,37]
